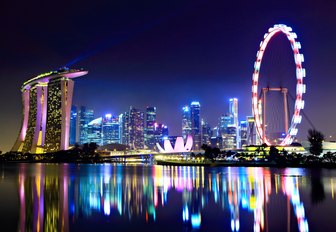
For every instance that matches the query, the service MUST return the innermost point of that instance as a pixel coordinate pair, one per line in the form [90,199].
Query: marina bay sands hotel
[47,100]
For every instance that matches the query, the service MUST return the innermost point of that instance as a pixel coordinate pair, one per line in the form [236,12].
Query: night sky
[164,54]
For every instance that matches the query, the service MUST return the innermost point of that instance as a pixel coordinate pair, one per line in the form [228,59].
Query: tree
[89,149]
[208,152]
[274,152]
[315,139]
[216,152]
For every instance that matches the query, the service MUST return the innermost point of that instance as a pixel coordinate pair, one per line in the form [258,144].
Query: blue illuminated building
[73,126]
[186,122]
[243,133]
[191,123]
[94,131]
[150,127]
[85,116]
[195,108]
[110,130]
[161,132]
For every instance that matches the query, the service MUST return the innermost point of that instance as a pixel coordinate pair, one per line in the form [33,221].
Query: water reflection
[55,197]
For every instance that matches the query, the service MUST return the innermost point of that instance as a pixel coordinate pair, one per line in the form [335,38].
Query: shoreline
[269,164]
[248,164]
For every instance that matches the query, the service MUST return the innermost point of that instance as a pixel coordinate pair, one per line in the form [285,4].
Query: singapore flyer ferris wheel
[259,104]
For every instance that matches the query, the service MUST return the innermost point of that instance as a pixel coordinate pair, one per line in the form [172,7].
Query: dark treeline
[83,153]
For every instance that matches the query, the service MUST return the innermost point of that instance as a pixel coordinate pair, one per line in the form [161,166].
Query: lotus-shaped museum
[178,147]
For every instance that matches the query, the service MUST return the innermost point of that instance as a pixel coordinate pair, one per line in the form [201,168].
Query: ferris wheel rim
[300,87]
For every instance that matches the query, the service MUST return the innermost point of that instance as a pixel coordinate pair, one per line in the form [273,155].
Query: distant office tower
[227,131]
[215,132]
[196,124]
[206,132]
[161,132]
[216,141]
[110,130]
[186,122]
[251,131]
[150,127]
[191,124]
[124,123]
[94,131]
[136,128]
[243,133]
[234,112]
[85,116]
[47,100]
[73,126]
[224,121]
[230,138]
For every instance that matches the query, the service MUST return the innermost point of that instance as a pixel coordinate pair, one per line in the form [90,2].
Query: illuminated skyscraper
[251,133]
[224,121]
[233,108]
[161,132]
[124,128]
[94,131]
[104,130]
[136,128]
[186,122]
[206,132]
[243,132]
[230,137]
[73,126]
[85,117]
[195,108]
[191,124]
[47,101]
[110,129]
[150,127]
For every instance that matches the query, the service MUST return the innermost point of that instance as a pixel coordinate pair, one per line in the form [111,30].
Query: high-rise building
[233,108]
[251,132]
[136,128]
[216,132]
[195,108]
[191,124]
[230,137]
[206,132]
[186,122]
[94,131]
[150,127]
[161,132]
[85,116]
[243,133]
[73,125]
[225,120]
[216,141]
[124,128]
[110,130]
[47,100]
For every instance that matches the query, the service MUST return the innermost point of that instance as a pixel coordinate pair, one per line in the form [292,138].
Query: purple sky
[164,54]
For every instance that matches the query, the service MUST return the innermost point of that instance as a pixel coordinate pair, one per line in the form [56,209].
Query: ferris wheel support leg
[284,91]
[264,91]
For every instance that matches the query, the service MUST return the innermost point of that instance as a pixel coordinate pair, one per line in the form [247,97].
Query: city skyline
[180,51]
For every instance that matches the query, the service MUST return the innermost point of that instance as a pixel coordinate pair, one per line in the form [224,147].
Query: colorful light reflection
[133,192]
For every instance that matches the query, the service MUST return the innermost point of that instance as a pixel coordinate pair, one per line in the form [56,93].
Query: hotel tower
[47,100]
